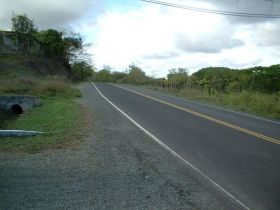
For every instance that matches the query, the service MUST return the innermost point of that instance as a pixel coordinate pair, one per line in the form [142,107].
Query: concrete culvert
[16,109]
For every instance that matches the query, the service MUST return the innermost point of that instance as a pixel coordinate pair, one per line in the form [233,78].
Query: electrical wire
[219,12]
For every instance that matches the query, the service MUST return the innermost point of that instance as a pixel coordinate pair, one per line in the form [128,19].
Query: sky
[159,38]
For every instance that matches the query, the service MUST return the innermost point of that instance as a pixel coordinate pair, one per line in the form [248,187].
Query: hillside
[27,66]
[19,73]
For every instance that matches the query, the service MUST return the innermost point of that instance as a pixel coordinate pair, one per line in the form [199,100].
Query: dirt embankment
[27,66]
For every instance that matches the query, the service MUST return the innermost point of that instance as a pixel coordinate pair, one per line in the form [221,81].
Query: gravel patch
[117,167]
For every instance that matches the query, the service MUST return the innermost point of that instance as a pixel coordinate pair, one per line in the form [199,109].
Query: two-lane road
[240,153]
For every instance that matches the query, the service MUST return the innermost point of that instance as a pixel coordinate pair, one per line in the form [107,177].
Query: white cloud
[213,43]
[46,13]
[267,34]
[158,38]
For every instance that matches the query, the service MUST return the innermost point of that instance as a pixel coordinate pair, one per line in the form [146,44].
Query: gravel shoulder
[116,167]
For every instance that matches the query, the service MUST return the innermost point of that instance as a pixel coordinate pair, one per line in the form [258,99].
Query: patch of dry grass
[263,104]
[51,87]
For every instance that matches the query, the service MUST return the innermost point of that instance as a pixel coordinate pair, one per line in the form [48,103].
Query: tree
[136,75]
[119,77]
[23,24]
[217,78]
[104,75]
[179,76]
[75,49]
[81,71]
[54,43]
[71,47]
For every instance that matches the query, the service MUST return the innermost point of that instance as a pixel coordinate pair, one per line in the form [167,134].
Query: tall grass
[49,87]
[55,88]
[254,102]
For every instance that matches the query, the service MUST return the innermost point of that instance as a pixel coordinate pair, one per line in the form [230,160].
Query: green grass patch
[60,118]
[266,105]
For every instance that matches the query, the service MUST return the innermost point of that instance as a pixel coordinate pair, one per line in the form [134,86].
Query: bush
[56,88]
[16,86]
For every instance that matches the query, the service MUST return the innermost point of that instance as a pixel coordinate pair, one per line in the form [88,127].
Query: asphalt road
[112,165]
[239,152]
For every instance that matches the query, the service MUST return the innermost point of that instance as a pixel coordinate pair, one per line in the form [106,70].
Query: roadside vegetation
[261,104]
[51,86]
[255,90]
[59,116]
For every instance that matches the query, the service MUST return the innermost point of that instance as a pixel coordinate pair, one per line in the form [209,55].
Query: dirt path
[117,167]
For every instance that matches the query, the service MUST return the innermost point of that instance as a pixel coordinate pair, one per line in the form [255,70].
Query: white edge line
[216,107]
[172,151]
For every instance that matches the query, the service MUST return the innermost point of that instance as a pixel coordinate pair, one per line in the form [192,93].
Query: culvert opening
[16,109]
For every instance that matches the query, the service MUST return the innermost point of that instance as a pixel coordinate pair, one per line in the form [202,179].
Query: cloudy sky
[158,38]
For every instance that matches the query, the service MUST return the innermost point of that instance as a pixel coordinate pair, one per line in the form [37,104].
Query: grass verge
[60,118]
[266,105]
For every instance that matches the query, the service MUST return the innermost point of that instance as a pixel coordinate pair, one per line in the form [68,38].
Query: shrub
[56,88]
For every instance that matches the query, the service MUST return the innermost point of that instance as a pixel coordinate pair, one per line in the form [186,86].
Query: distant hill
[263,79]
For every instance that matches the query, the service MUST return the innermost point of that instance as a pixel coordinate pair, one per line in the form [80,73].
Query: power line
[219,12]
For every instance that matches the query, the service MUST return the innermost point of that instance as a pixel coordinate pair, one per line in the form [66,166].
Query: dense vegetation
[255,89]
[263,79]
[133,75]
[212,79]
[69,48]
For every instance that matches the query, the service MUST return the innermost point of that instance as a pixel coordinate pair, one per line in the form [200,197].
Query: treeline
[262,79]
[132,75]
[255,90]
[70,47]
[211,79]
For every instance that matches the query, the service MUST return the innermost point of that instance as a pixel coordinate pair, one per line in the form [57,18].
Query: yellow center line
[266,138]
